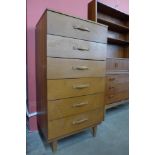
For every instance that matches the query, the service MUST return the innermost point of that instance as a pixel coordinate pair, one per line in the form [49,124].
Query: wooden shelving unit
[113,26]
[117,41]
[117,50]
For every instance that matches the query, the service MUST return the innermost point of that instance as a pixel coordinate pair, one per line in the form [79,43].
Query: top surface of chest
[68,26]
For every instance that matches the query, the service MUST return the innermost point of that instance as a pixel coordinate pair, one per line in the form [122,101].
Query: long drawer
[116,79]
[73,68]
[74,123]
[71,106]
[119,87]
[58,46]
[111,98]
[117,65]
[64,88]
[59,24]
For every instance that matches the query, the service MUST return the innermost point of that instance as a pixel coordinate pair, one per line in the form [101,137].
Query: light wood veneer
[70,75]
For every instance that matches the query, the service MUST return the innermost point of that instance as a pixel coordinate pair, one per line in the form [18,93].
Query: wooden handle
[80,67]
[80,121]
[81,28]
[80,48]
[80,104]
[81,86]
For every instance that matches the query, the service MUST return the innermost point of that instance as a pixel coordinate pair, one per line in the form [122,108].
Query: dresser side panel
[41,65]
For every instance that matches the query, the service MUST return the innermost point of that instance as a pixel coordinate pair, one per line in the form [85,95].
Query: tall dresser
[70,75]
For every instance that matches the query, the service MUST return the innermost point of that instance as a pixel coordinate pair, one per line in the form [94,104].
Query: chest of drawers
[70,75]
[117,88]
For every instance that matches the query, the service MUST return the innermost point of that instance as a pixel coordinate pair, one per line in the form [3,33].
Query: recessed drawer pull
[111,87]
[81,28]
[111,96]
[80,67]
[111,79]
[80,48]
[81,86]
[80,104]
[80,121]
[116,65]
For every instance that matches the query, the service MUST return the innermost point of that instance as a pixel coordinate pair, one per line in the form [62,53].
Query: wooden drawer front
[70,106]
[74,123]
[111,98]
[115,79]
[117,65]
[125,64]
[64,88]
[114,88]
[114,65]
[63,25]
[58,46]
[72,68]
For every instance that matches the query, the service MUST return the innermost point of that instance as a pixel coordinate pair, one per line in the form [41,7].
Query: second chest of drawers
[71,66]
[117,88]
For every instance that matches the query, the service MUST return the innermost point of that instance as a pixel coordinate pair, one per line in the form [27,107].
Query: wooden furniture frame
[117,50]
[70,75]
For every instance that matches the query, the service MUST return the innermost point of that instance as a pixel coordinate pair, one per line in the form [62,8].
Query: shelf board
[117,41]
[111,11]
[113,26]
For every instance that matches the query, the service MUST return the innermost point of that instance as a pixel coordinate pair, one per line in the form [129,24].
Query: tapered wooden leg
[94,130]
[54,146]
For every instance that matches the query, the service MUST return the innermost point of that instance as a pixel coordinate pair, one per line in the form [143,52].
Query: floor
[112,138]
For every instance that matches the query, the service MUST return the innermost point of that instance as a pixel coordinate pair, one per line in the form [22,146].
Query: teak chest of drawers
[70,75]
